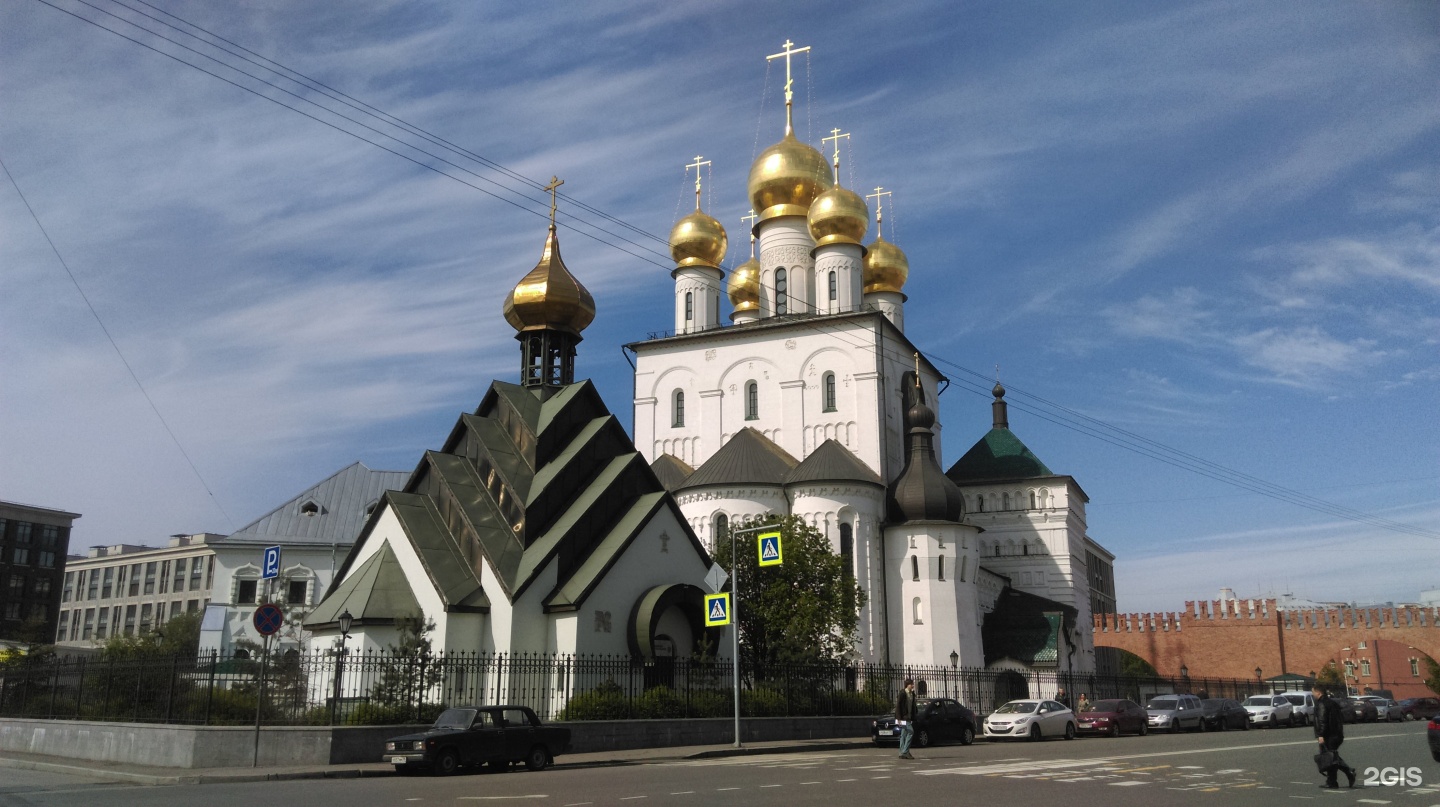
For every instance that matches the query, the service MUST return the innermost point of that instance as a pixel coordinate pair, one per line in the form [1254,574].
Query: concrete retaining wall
[234,746]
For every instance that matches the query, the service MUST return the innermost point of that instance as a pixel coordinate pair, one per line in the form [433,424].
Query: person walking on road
[1329,734]
[905,717]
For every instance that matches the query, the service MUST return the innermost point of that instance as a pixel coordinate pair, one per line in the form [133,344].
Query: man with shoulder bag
[1329,734]
[905,717]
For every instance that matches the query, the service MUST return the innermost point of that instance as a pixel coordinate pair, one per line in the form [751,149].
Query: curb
[746,751]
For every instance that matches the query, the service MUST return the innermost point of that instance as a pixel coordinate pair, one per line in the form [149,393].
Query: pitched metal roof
[832,462]
[339,510]
[376,592]
[671,471]
[998,455]
[749,458]
[518,484]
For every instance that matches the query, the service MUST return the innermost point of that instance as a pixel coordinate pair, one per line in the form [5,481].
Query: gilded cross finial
[879,197]
[750,220]
[917,370]
[789,81]
[699,163]
[555,182]
[837,136]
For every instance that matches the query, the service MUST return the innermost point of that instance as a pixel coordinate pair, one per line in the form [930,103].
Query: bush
[604,702]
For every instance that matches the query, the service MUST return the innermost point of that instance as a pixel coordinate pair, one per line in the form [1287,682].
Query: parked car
[1270,710]
[1113,717]
[1365,711]
[1219,714]
[937,720]
[1382,707]
[1420,708]
[1347,707]
[479,735]
[1031,719]
[1302,705]
[1174,712]
[1433,734]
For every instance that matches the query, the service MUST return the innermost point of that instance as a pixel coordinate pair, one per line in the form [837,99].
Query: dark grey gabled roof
[832,462]
[340,509]
[749,458]
[671,471]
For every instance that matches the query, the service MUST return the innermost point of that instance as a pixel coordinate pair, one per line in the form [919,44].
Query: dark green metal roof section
[749,458]
[1027,628]
[999,455]
[671,471]
[520,483]
[374,594]
[832,462]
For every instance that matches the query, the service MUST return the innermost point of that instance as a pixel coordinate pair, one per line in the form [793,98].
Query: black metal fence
[379,688]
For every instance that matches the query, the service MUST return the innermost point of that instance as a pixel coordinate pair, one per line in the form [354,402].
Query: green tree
[410,672]
[804,611]
[1432,678]
[1136,667]
[35,634]
[178,637]
[1331,678]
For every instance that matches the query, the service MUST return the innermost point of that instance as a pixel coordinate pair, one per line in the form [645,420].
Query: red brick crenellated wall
[1230,638]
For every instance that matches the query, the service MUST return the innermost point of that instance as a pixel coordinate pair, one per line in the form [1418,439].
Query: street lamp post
[955,668]
[345,620]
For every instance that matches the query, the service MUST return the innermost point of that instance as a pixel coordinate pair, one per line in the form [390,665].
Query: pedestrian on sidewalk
[905,717]
[1329,734]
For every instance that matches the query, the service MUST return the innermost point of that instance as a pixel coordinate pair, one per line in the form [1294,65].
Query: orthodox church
[813,402]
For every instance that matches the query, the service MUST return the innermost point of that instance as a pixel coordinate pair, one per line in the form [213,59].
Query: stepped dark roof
[375,594]
[520,483]
[832,462]
[749,458]
[1026,627]
[671,471]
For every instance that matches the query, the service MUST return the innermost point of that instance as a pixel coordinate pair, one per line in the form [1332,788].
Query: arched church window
[980,504]
[722,527]
[1005,502]
[689,306]
[919,611]
[679,409]
[782,296]
[1032,500]
[942,567]
[847,549]
[834,286]
[752,401]
[914,568]
[828,386]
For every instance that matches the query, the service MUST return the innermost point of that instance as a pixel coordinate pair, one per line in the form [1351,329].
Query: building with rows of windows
[126,589]
[33,544]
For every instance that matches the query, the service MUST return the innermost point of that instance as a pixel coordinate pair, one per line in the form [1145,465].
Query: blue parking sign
[270,568]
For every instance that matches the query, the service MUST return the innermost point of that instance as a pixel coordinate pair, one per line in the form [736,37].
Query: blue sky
[1214,225]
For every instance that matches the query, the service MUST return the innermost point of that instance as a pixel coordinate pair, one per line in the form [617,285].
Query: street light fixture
[345,620]
[1184,671]
[954,660]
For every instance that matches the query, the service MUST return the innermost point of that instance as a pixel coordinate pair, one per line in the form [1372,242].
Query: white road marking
[772,785]
[1125,784]
[632,798]
[847,780]
[718,789]
[501,798]
[684,793]
[1370,801]
[810,783]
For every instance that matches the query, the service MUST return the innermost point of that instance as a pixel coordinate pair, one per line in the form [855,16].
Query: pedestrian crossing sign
[770,553]
[717,609]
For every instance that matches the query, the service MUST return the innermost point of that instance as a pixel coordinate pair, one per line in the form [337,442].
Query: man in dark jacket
[905,717]
[1329,734]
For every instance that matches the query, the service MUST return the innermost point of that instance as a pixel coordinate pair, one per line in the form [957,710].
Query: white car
[1269,710]
[1030,719]
[1303,705]
[1383,707]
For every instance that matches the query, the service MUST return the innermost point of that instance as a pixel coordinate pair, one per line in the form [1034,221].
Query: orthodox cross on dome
[917,369]
[879,197]
[837,136]
[789,82]
[555,182]
[750,220]
[699,163]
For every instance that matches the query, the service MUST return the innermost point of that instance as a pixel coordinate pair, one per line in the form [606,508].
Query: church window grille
[834,287]
[689,306]
[781,293]
[679,414]
[942,566]
[919,611]
[828,384]
[752,401]
[914,568]
[847,549]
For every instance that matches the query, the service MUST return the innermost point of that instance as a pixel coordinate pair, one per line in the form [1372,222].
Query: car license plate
[397,760]
[1085,724]
[887,732]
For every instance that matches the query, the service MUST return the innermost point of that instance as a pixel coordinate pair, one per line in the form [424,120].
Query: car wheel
[1200,726]
[447,763]
[537,759]
[1144,728]
[1174,726]
[1035,734]
[922,738]
[1409,716]
[1115,729]
[1274,722]
[967,735]
[1069,731]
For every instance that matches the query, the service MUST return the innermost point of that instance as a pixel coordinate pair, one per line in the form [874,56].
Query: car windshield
[1259,700]
[455,719]
[1014,707]
[1103,706]
[1163,703]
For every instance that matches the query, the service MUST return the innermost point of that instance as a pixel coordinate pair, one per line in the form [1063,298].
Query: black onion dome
[923,492]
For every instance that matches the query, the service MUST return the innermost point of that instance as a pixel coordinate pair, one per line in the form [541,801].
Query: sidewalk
[141,775]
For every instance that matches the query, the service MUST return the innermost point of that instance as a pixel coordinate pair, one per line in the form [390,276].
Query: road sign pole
[735,616]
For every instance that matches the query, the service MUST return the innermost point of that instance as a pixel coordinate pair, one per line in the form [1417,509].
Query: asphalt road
[1266,767]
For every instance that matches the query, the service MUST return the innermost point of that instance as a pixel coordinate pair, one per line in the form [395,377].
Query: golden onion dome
[698,240]
[786,178]
[838,216]
[886,267]
[744,287]
[549,297]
